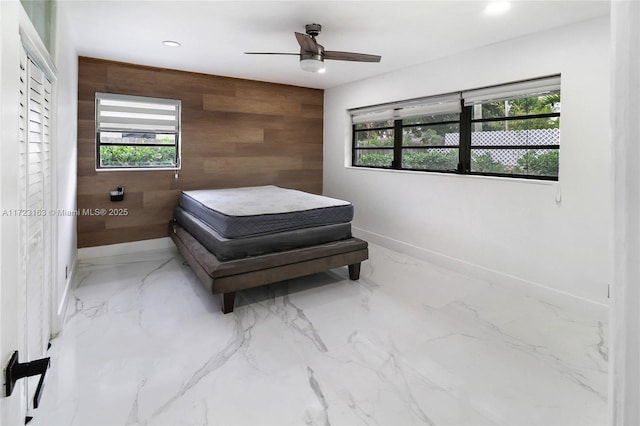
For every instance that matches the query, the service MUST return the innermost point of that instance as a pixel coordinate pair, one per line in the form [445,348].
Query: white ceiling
[214,34]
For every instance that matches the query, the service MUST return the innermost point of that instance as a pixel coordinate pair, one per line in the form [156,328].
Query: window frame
[514,146]
[371,148]
[402,127]
[466,123]
[177,103]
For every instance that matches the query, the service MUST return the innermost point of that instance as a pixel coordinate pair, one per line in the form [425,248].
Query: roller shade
[435,105]
[136,113]
[521,89]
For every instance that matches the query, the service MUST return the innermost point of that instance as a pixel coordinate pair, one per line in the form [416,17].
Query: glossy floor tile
[410,343]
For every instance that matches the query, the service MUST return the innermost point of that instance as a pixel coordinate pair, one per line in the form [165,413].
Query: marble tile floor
[410,343]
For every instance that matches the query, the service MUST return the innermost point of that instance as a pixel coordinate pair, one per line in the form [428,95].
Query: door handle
[16,371]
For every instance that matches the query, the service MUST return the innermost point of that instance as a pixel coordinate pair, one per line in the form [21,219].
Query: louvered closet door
[35,170]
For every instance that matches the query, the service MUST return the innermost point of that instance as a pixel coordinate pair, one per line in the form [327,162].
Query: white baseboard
[67,288]
[125,248]
[458,265]
[61,309]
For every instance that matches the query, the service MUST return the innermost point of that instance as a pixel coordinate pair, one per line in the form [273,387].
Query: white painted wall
[624,318]
[500,228]
[66,113]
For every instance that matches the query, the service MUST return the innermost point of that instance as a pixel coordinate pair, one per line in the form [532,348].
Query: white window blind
[434,105]
[517,90]
[119,113]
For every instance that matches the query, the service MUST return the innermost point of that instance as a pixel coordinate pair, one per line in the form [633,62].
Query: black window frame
[141,130]
[465,147]
[375,148]
[401,126]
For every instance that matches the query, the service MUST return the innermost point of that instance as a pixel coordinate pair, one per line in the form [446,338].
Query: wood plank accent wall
[234,133]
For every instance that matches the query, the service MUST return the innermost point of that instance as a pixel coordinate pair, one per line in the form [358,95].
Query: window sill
[447,175]
[141,169]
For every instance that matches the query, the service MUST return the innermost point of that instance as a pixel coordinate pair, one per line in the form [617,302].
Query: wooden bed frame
[227,277]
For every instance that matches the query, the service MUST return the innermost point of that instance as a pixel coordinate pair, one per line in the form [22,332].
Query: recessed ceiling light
[495,8]
[171,43]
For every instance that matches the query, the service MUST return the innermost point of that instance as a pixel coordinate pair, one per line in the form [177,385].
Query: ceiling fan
[312,53]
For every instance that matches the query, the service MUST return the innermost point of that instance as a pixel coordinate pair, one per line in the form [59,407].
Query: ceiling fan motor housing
[313,29]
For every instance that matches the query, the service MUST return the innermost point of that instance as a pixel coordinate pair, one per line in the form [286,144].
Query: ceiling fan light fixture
[312,65]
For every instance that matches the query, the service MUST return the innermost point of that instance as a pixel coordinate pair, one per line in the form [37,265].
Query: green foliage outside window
[532,163]
[430,159]
[521,108]
[137,156]
[414,136]
[373,139]
[484,163]
[418,136]
[413,159]
[375,159]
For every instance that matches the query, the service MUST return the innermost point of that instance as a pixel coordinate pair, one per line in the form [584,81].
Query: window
[507,130]
[135,132]
[417,135]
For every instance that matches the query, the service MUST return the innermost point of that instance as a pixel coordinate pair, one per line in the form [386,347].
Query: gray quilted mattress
[258,210]
[237,248]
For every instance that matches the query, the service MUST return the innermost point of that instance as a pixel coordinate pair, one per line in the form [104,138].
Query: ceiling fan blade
[270,53]
[350,56]
[306,43]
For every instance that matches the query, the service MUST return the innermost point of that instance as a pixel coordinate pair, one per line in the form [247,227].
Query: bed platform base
[227,277]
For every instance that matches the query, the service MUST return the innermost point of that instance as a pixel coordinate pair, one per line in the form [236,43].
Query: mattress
[258,210]
[237,248]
